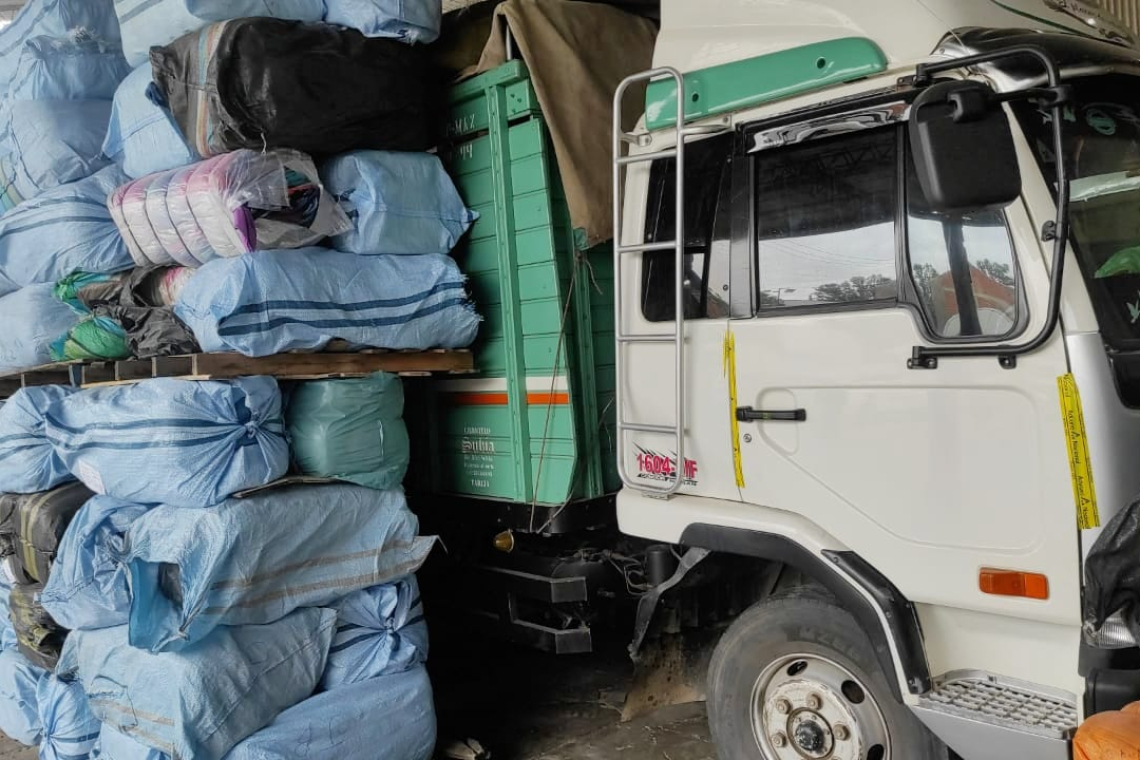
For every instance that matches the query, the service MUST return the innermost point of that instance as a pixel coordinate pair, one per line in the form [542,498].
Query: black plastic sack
[37,635]
[38,522]
[263,83]
[1112,573]
[141,303]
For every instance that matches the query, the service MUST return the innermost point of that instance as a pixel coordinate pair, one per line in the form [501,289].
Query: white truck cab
[888,343]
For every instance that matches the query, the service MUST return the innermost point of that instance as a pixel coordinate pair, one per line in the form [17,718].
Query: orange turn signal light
[1013,583]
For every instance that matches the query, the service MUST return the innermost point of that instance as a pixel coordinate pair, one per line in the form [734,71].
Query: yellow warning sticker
[1084,491]
[730,371]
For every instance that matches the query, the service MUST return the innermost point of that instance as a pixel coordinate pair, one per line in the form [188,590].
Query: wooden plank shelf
[293,366]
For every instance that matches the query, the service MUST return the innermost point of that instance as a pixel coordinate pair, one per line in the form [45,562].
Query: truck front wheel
[795,678]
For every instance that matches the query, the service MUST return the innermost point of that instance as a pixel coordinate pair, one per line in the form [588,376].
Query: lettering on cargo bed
[478,462]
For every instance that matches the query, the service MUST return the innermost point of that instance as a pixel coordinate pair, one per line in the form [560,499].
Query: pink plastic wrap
[226,206]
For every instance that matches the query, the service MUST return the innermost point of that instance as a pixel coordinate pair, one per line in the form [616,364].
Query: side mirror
[962,147]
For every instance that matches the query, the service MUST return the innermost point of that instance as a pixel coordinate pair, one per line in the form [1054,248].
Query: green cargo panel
[536,424]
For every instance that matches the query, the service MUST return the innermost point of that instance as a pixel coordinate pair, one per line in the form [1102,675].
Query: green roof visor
[763,79]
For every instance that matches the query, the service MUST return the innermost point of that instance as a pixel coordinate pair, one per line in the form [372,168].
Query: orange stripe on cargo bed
[501,399]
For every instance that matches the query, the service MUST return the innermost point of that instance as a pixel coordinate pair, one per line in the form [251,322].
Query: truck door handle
[748,414]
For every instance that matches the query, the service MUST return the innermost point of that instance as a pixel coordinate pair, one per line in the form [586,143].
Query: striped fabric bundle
[180,442]
[64,230]
[37,525]
[252,560]
[55,18]
[28,464]
[270,302]
[379,630]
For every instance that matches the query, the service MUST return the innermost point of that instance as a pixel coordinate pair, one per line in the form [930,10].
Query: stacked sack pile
[255,186]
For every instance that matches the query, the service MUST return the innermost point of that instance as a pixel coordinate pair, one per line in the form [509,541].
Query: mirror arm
[926,357]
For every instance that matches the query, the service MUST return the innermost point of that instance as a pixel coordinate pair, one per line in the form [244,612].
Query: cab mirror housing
[962,147]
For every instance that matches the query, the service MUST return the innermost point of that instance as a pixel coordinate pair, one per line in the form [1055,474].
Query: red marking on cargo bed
[501,399]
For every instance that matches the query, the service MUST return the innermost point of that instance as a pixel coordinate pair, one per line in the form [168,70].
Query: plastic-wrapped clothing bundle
[28,463]
[252,83]
[142,136]
[69,727]
[379,630]
[253,560]
[115,745]
[411,21]
[61,231]
[226,206]
[52,142]
[55,18]
[200,702]
[40,520]
[147,23]
[88,585]
[19,711]
[397,203]
[270,302]
[387,718]
[178,442]
[78,67]
[38,636]
[128,315]
[350,430]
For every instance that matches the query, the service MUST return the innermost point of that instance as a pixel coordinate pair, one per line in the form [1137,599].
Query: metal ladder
[677,337]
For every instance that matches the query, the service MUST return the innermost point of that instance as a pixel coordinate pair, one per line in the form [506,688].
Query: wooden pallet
[296,366]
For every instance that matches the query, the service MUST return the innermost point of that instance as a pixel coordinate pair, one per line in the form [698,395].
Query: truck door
[929,474]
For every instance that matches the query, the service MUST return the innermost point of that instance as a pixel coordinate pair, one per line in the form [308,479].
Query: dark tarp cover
[40,520]
[263,83]
[1112,573]
[37,635]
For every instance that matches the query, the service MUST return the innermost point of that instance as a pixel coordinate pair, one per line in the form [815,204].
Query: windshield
[1102,145]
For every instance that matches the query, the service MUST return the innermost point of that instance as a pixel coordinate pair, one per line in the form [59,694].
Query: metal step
[983,716]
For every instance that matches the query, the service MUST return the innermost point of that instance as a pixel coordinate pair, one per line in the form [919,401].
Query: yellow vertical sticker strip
[730,371]
[1077,446]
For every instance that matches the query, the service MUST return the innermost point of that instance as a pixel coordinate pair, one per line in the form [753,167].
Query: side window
[825,222]
[707,232]
[963,268]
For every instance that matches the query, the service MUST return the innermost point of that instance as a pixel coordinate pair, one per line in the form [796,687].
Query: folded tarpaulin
[78,67]
[52,142]
[115,745]
[379,630]
[410,21]
[55,18]
[142,136]
[88,585]
[63,230]
[200,702]
[180,442]
[391,717]
[28,463]
[226,206]
[19,711]
[38,636]
[69,727]
[40,520]
[351,430]
[270,302]
[147,23]
[255,559]
[256,83]
[397,203]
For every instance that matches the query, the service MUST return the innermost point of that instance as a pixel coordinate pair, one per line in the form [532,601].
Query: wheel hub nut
[779,741]
[810,737]
[783,707]
[841,732]
[814,702]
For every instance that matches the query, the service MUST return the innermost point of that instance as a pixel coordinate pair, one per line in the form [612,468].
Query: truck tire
[796,678]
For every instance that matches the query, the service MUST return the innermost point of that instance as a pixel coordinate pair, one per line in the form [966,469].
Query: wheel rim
[808,707]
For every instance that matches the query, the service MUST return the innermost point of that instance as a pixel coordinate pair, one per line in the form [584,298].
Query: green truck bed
[535,426]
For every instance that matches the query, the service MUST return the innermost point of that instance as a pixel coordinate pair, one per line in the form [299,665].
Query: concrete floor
[524,705]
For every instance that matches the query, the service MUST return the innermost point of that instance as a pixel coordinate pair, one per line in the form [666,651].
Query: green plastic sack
[351,430]
[93,338]
[1126,261]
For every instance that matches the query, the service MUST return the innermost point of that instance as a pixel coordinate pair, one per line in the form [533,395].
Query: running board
[985,717]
